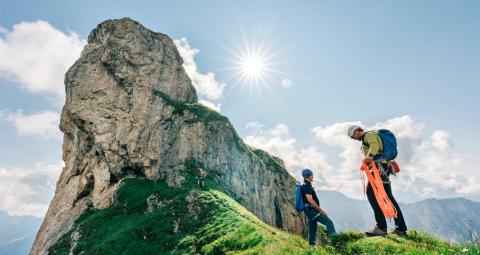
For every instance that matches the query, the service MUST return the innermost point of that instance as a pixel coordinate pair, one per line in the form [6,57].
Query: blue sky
[407,65]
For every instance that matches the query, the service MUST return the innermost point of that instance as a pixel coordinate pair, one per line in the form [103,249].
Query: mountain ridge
[150,218]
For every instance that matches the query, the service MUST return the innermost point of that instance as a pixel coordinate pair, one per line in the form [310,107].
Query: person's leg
[399,221]
[328,224]
[312,231]
[379,217]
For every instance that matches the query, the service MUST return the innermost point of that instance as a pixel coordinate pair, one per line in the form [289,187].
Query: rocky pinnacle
[131,110]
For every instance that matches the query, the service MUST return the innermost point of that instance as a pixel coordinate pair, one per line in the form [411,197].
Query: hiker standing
[373,150]
[201,179]
[312,208]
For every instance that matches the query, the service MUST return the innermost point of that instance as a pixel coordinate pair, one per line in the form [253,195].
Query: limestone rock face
[131,110]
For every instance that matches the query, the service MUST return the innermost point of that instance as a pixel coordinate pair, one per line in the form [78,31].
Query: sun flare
[252,66]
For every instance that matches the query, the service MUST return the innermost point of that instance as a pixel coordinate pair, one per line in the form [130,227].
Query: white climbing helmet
[351,130]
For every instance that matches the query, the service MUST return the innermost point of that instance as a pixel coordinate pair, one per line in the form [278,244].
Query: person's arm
[314,204]
[373,147]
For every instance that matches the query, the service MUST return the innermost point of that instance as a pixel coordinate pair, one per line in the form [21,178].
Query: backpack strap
[306,203]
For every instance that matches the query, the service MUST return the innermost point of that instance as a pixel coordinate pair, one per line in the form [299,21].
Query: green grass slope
[414,243]
[189,220]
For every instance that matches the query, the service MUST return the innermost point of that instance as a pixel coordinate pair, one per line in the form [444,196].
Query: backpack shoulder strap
[363,138]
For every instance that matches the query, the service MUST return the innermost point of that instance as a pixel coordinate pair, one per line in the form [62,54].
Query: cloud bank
[43,124]
[35,56]
[208,88]
[28,190]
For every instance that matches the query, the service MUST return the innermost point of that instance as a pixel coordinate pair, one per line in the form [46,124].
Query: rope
[364,188]
[377,185]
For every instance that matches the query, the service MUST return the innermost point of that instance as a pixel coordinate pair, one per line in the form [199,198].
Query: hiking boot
[376,231]
[398,233]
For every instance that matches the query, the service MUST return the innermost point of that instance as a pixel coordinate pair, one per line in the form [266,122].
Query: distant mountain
[451,219]
[17,233]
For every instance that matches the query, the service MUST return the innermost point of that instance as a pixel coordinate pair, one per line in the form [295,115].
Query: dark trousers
[379,217]
[201,182]
[313,218]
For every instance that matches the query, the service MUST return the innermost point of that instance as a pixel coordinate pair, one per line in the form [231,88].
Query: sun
[252,65]
[253,68]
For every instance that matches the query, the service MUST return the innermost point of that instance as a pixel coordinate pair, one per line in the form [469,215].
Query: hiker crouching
[312,208]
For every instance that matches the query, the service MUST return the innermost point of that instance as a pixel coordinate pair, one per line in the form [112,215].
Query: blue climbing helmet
[306,172]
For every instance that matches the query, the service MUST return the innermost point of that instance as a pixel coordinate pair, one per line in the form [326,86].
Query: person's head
[355,132]
[307,174]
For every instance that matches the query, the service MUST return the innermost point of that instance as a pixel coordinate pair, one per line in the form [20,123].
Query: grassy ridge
[189,220]
[185,221]
[201,112]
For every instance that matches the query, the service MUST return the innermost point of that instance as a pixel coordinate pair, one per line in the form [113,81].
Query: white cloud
[36,56]
[205,84]
[287,83]
[441,140]
[278,142]
[255,125]
[429,163]
[211,105]
[43,124]
[28,191]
